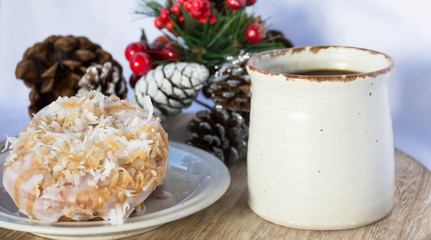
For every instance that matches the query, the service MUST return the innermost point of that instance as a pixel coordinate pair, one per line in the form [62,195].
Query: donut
[87,157]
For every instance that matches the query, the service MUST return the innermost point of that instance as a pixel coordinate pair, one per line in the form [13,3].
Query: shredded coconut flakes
[84,138]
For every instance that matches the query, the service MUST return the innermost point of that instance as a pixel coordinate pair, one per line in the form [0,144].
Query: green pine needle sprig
[209,44]
[149,8]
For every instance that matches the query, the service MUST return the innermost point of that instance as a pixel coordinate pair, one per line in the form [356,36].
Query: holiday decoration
[171,87]
[163,50]
[255,33]
[160,41]
[221,132]
[229,85]
[236,4]
[105,78]
[140,63]
[251,2]
[278,37]
[141,46]
[206,32]
[218,35]
[54,67]
[134,79]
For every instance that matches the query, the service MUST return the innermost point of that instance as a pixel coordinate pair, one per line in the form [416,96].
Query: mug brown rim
[315,49]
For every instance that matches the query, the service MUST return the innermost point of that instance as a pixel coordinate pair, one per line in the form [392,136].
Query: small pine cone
[221,132]
[171,87]
[54,67]
[280,39]
[229,86]
[106,78]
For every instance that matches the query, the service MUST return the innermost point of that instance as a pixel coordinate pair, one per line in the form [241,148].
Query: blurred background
[398,28]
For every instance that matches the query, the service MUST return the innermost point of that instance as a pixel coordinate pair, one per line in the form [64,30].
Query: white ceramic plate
[195,179]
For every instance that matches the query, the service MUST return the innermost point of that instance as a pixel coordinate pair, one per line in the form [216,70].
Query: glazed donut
[86,157]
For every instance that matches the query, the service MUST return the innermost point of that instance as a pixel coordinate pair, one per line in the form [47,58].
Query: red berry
[206,4]
[145,45]
[181,1]
[140,63]
[169,25]
[181,19]
[158,45]
[176,8]
[197,4]
[196,13]
[236,4]
[158,23]
[213,18]
[160,41]
[169,52]
[134,78]
[171,46]
[251,2]
[136,47]
[188,6]
[202,20]
[165,52]
[206,13]
[164,14]
[255,33]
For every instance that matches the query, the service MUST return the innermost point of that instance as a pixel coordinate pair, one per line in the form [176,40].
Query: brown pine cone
[221,132]
[105,78]
[229,86]
[280,39]
[53,68]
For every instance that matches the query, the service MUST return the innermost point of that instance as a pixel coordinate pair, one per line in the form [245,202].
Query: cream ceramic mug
[320,150]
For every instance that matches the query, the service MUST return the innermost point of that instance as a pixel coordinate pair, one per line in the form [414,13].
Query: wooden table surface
[231,218]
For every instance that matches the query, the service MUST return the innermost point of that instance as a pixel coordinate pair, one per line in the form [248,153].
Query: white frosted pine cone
[171,87]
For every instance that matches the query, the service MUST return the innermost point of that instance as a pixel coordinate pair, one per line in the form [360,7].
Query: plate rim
[202,200]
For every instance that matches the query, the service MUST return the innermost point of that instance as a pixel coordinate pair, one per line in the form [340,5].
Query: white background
[399,28]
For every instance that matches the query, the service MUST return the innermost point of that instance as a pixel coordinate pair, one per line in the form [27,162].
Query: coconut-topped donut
[84,158]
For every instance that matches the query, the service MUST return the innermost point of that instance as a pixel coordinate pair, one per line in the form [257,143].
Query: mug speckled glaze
[320,150]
